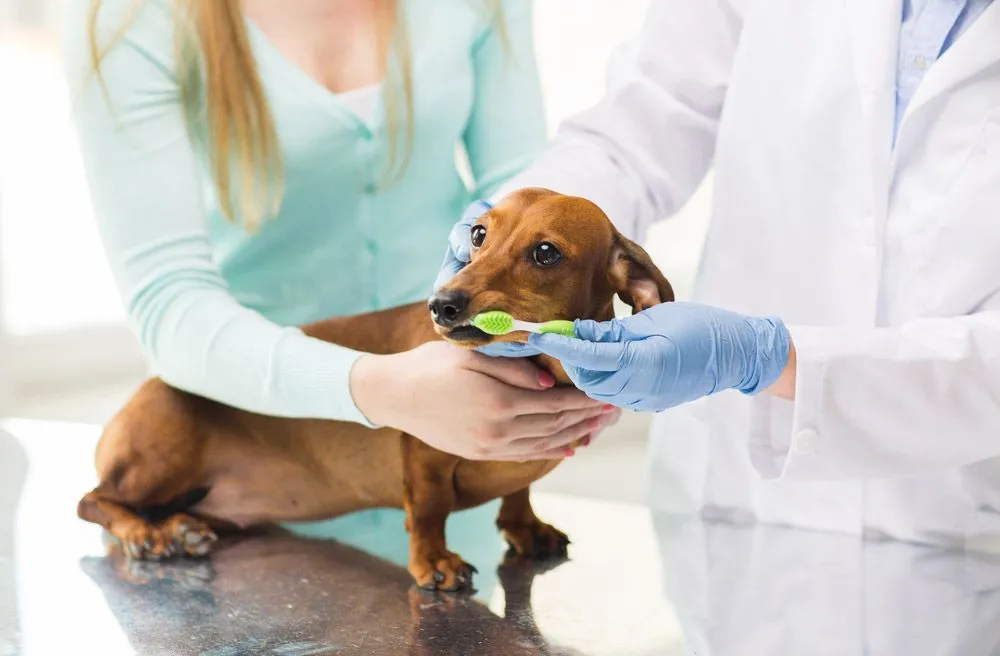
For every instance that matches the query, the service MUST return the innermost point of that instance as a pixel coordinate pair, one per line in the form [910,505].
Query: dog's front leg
[526,534]
[428,499]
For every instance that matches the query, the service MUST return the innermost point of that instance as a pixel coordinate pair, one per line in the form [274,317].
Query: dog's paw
[180,534]
[442,571]
[142,541]
[189,535]
[537,540]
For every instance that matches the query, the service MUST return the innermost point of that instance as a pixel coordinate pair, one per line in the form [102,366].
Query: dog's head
[539,256]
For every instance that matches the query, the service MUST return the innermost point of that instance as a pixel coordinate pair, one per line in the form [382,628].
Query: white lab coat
[883,258]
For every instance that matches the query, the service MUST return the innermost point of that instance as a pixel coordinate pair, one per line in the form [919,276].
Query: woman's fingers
[530,447]
[549,402]
[564,449]
[516,372]
[548,425]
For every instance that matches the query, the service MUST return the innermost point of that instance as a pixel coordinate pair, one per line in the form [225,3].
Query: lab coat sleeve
[145,187]
[641,152]
[889,402]
[506,128]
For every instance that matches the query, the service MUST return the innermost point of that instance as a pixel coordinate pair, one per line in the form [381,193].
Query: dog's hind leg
[150,463]
[142,537]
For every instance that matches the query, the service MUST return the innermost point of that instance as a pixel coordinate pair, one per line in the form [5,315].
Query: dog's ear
[635,278]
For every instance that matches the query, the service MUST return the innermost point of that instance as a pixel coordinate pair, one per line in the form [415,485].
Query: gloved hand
[459,254]
[671,354]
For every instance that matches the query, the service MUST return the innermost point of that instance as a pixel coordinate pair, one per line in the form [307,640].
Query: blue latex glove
[671,354]
[458,255]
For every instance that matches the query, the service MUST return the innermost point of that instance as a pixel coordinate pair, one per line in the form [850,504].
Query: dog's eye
[478,235]
[546,254]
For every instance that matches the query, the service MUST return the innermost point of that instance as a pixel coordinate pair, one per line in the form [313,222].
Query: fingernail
[545,379]
[569,453]
[586,440]
[607,408]
[595,423]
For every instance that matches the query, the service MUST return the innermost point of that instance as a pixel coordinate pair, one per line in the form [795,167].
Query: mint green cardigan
[215,307]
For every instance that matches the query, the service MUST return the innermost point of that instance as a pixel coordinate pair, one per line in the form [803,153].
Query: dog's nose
[448,306]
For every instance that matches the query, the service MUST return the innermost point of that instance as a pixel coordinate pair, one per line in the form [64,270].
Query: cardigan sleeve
[145,187]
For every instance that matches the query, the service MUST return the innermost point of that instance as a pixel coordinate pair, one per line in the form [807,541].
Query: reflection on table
[636,584]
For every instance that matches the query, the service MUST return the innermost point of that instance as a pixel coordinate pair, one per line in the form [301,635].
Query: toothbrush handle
[564,328]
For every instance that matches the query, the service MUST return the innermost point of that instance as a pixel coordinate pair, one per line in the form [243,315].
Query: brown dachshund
[174,466]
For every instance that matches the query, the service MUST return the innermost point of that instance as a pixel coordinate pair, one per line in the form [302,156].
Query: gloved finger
[449,268]
[508,350]
[476,210]
[460,243]
[595,356]
[460,238]
[600,331]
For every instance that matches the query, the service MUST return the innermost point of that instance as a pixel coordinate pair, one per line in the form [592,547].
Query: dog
[174,468]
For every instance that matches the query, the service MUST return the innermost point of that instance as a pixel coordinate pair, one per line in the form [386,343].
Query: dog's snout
[448,307]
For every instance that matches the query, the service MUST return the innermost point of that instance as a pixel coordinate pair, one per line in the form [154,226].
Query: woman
[257,165]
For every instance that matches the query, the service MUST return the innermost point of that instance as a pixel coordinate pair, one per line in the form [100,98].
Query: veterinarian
[839,365]
[256,166]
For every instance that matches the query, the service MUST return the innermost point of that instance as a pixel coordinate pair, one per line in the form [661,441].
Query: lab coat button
[371,189]
[807,441]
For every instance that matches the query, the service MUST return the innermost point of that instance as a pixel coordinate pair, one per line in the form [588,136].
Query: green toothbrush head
[494,322]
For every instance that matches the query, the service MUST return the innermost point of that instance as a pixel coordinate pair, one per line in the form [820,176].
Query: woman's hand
[674,353]
[474,406]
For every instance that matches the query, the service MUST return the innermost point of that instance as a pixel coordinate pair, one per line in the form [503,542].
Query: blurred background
[65,352]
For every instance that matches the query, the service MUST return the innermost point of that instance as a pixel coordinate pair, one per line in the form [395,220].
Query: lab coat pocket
[960,267]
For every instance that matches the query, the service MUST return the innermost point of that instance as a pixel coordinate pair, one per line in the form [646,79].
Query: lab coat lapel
[874,33]
[973,52]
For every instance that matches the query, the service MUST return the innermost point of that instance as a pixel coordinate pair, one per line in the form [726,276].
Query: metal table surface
[636,584]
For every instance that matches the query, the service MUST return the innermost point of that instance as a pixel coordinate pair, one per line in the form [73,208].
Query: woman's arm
[506,128]
[145,187]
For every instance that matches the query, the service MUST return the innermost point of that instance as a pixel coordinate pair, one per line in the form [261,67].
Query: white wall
[574,41]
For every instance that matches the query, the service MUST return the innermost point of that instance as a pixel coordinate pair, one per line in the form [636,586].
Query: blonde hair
[221,90]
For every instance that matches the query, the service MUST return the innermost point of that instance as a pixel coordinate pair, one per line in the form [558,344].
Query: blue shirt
[929,28]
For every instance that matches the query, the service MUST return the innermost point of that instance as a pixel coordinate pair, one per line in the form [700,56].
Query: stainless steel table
[636,584]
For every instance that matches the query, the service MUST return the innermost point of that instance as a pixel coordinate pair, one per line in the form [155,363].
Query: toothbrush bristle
[495,322]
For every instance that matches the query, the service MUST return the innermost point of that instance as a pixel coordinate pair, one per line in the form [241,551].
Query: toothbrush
[497,322]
